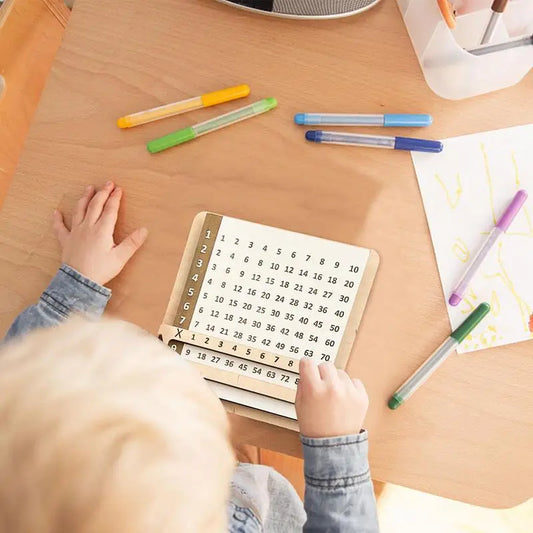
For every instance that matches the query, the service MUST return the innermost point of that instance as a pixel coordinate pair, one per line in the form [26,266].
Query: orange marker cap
[225,95]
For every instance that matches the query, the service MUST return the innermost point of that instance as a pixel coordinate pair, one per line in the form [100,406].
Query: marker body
[491,27]
[463,284]
[190,133]
[176,108]
[421,375]
[497,7]
[346,119]
[493,48]
[501,226]
[373,141]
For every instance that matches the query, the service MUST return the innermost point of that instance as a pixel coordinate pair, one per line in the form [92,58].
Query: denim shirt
[339,496]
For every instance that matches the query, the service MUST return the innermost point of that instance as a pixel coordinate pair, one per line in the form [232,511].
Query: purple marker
[501,227]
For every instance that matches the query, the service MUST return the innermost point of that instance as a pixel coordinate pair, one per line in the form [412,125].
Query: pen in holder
[449,69]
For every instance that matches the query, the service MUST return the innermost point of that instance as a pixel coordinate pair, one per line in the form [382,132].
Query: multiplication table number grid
[278,291]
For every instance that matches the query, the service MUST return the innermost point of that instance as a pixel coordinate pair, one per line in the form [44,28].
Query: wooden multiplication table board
[251,300]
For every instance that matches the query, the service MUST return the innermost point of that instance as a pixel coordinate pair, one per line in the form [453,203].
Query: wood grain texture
[467,434]
[60,11]
[30,34]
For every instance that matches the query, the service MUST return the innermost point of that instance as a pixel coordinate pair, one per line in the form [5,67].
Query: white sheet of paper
[465,189]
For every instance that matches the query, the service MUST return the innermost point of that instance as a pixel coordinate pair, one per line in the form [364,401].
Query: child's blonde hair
[103,429]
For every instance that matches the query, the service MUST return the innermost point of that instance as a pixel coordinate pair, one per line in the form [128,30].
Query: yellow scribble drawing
[525,310]
[501,175]
[525,209]
[516,174]
[458,191]
[493,332]
[486,338]
[483,340]
[517,181]
[489,182]
[495,306]
[460,250]
[469,300]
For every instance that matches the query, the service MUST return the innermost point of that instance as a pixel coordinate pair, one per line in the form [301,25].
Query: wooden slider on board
[174,333]
[246,383]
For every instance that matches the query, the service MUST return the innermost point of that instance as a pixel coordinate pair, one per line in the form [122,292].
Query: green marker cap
[395,401]
[266,104]
[477,315]
[172,139]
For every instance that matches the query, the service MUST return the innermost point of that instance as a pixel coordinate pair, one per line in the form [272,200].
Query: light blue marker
[344,119]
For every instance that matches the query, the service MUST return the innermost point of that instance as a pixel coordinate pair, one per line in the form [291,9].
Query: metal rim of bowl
[299,17]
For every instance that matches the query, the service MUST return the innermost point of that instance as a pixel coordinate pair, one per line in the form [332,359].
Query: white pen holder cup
[451,71]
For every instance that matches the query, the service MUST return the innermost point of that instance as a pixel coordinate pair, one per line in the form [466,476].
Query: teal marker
[192,132]
[438,356]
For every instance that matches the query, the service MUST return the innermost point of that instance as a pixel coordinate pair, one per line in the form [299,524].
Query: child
[103,432]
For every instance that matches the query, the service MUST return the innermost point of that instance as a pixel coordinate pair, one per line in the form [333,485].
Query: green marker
[190,133]
[438,356]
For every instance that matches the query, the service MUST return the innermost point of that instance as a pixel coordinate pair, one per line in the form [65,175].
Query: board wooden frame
[346,344]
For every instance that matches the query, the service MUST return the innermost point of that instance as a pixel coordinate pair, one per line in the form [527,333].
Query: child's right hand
[328,402]
[88,246]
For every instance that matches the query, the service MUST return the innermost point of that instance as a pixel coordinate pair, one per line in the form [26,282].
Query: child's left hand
[89,246]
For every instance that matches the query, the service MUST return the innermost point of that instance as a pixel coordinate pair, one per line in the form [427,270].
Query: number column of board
[197,271]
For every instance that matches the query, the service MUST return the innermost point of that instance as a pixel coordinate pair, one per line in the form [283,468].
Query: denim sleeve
[69,292]
[339,496]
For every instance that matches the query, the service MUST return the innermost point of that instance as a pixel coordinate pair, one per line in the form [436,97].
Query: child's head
[103,430]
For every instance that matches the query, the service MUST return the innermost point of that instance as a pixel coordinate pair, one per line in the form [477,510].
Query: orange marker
[448,12]
[169,110]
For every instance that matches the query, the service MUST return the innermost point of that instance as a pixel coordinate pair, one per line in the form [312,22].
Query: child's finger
[309,375]
[81,205]
[110,212]
[344,377]
[96,205]
[359,385]
[131,244]
[59,227]
[328,372]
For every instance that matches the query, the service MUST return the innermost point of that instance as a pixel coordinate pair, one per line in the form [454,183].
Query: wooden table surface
[467,434]
[30,34]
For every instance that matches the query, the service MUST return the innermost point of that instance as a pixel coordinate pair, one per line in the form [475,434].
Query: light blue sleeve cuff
[70,292]
[336,462]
